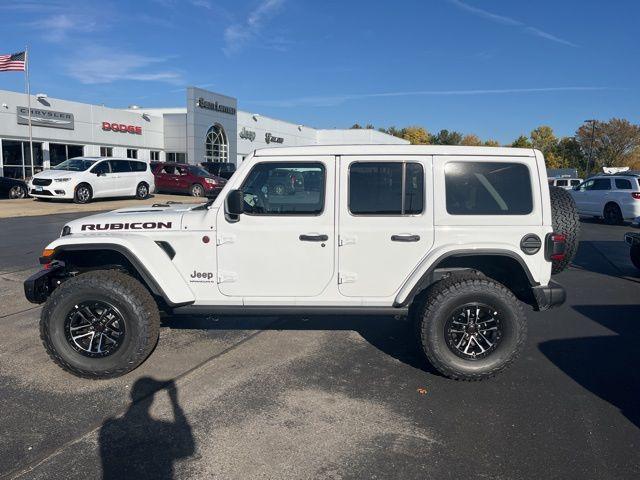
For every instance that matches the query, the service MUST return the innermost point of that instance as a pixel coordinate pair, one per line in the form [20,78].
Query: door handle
[314,238]
[405,238]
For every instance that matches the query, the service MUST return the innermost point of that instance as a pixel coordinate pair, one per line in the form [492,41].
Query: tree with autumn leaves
[614,143]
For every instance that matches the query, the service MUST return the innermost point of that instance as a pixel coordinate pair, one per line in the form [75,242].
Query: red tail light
[555,247]
[636,195]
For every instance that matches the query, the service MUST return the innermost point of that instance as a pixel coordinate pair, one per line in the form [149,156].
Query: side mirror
[235,202]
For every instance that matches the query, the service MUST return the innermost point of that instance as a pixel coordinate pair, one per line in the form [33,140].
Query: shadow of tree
[604,365]
[138,446]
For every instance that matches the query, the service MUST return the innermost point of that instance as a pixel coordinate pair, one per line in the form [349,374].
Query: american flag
[12,63]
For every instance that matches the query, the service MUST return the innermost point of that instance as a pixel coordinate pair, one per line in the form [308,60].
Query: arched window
[216,147]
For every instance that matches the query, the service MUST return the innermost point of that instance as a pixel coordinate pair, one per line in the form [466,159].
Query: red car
[191,179]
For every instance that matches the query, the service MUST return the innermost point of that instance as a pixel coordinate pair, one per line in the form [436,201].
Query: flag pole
[28,88]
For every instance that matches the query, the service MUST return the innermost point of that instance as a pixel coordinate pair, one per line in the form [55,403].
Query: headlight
[66,179]
[210,181]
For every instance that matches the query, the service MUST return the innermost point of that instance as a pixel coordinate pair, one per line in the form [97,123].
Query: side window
[101,168]
[623,184]
[377,188]
[119,166]
[562,183]
[575,183]
[182,171]
[279,188]
[168,170]
[550,180]
[601,184]
[488,188]
[138,166]
[586,186]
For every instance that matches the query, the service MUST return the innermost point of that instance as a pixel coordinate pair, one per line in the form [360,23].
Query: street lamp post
[593,134]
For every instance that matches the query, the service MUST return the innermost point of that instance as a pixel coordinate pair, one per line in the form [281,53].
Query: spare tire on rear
[565,220]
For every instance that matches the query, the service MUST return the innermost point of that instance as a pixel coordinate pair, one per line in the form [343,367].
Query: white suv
[615,198]
[456,237]
[85,178]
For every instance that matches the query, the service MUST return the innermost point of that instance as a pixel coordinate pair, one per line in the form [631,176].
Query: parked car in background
[633,240]
[82,179]
[220,169]
[615,198]
[190,179]
[566,183]
[13,188]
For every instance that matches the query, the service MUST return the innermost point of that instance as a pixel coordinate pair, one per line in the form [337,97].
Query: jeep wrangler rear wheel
[470,327]
[100,324]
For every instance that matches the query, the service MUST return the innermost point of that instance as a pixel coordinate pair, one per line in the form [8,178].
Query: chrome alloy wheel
[95,328]
[473,331]
[143,190]
[84,194]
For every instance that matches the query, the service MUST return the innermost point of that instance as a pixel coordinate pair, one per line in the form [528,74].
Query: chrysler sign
[215,106]
[45,118]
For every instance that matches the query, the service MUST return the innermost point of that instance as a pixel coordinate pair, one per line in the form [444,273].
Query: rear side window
[119,166]
[488,188]
[562,183]
[138,166]
[386,188]
[623,184]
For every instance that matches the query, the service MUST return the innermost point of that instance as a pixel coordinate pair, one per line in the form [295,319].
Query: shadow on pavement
[606,258]
[138,446]
[604,365]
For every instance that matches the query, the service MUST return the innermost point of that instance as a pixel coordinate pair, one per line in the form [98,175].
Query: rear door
[385,222]
[183,178]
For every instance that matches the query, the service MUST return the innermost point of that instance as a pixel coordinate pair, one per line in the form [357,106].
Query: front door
[283,245]
[385,222]
[105,183]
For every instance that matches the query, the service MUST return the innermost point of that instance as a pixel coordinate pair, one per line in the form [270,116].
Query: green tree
[616,143]
[445,137]
[369,126]
[471,140]
[356,126]
[492,143]
[544,139]
[416,135]
[522,142]
[572,156]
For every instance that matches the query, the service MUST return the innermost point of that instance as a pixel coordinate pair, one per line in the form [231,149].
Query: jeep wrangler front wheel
[470,327]
[100,324]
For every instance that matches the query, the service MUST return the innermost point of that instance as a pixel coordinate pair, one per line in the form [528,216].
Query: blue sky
[496,68]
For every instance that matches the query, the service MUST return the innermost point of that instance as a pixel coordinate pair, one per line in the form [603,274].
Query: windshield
[75,165]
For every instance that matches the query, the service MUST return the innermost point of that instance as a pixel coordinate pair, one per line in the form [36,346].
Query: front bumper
[62,190]
[549,296]
[39,286]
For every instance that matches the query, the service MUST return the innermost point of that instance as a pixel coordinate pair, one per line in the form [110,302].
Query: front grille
[41,182]
[44,192]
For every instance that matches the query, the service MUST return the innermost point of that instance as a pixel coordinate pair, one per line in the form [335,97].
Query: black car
[220,169]
[12,188]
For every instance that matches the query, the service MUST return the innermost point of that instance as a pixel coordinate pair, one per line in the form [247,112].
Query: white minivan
[82,179]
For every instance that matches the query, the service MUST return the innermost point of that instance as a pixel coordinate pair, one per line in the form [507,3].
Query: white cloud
[512,22]
[237,35]
[339,99]
[56,28]
[97,65]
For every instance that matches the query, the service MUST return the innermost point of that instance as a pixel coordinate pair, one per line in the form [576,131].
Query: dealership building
[209,128]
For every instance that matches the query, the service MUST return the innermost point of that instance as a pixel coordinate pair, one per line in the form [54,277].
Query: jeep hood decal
[134,220]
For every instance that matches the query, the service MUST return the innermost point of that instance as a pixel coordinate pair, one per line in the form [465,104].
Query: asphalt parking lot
[297,397]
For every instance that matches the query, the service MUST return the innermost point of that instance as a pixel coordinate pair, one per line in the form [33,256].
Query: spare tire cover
[565,220]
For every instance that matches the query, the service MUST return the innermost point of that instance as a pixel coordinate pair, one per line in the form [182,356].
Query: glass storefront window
[59,152]
[17,160]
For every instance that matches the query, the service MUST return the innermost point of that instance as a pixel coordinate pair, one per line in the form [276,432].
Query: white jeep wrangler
[456,237]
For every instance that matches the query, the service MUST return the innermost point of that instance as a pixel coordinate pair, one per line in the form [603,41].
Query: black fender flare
[434,274]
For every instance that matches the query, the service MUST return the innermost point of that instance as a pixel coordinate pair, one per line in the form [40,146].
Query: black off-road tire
[612,215]
[634,253]
[565,220]
[433,309]
[79,197]
[130,297]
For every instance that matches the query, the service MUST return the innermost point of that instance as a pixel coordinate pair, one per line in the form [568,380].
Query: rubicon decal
[126,226]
